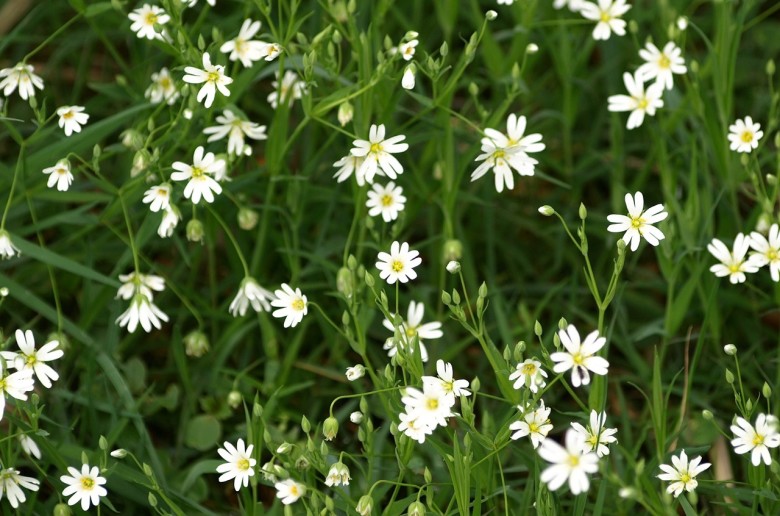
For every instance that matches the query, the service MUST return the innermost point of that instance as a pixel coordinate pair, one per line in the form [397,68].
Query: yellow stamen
[298,304]
[747,136]
[664,62]
[387,200]
[397,266]
[432,404]
[87,483]
[375,148]
[243,464]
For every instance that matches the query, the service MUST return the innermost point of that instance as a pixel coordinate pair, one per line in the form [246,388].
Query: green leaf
[202,432]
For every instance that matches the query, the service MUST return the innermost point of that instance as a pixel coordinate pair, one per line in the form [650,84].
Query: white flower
[639,101]
[144,19]
[399,264]
[529,373]
[200,183]
[349,164]
[7,248]
[170,219]
[767,250]
[534,424]
[32,360]
[86,486]
[407,49]
[758,439]
[136,283]
[732,263]
[59,175]
[355,372]
[158,197]
[211,76]
[432,405]
[235,129]
[580,357]
[446,381]
[378,153]
[639,222]
[11,483]
[683,475]
[242,47]
[607,14]
[15,385]
[72,118]
[570,463]
[407,81]
[250,293]
[162,88]
[596,437]
[356,417]
[142,311]
[504,152]
[289,90]
[661,65]
[29,446]
[239,464]
[387,201]
[744,135]
[20,76]
[291,305]
[414,426]
[573,5]
[338,475]
[289,491]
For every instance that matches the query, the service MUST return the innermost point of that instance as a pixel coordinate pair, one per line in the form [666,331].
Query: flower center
[772,255]
[685,478]
[411,331]
[2,384]
[605,17]
[243,464]
[735,268]
[197,172]
[397,266]
[664,62]
[578,358]
[432,404]
[387,200]
[294,490]
[165,83]
[151,18]
[499,154]
[270,50]
[87,483]
[529,369]
[212,77]
[31,360]
[574,461]
[533,427]
[642,103]
[636,222]
[298,304]
[747,136]
[67,115]
[758,440]
[240,45]
[593,440]
[375,148]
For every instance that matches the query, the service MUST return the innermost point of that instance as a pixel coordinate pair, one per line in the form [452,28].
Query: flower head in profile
[387,201]
[59,175]
[756,439]
[661,65]
[607,15]
[355,372]
[170,219]
[579,356]
[290,304]
[288,89]
[570,463]
[211,76]
[596,437]
[16,385]
[338,475]
[767,250]
[198,176]
[235,128]
[639,222]
[349,164]
[535,424]
[639,102]
[682,473]
[446,381]
[20,76]
[378,152]
[733,263]
[289,491]
[142,311]
[11,484]
[399,264]
[29,446]
[34,360]
[158,197]
[7,248]
[530,374]
[163,88]
[250,293]
[744,135]
[145,18]
[85,486]
[239,464]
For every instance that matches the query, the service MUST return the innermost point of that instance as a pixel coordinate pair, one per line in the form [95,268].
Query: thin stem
[232,239]
[17,169]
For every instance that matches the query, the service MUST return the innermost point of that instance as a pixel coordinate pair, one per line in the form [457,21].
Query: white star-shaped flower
[290,304]
[596,437]
[570,463]
[387,201]
[733,263]
[235,129]
[85,486]
[163,88]
[639,222]
[767,250]
[239,464]
[158,197]
[399,264]
[378,153]
[72,118]
[683,473]
[211,76]
[145,18]
[20,76]
[756,440]
[34,360]
[661,65]
[607,15]
[744,135]
[59,175]
[529,373]
[580,357]
[535,424]
[198,176]
[250,293]
[639,101]
[289,491]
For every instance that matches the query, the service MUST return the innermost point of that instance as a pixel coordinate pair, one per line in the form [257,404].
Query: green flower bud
[247,219]
[729,377]
[583,212]
[195,231]
[417,508]
[453,250]
[730,349]
[196,344]
[706,414]
[489,16]
[330,428]
[345,113]
[365,505]
[766,390]
[234,399]
[62,509]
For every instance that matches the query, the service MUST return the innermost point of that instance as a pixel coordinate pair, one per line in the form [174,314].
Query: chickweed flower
[289,491]
[7,248]
[399,264]
[11,483]
[158,197]
[596,437]
[432,406]
[338,475]
[145,18]
[142,311]
[250,293]
[355,372]
[239,464]
[85,486]
[242,47]
[639,101]
[607,15]
[661,65]
[535,424]
[530,374]
[408,49]
[639,222]
[756,440]
[170,219]
[682,474]
[580,357]
[199,181]
[211,76]
[136,283]
[72,118]
[162,88]
[349,164]
[291,305]
[767,250]
[446,381]
[33,360]
[732,263]
[744,135]
[414,426]
[571,463]
[289,89]
[378,153]
[15,385]
[59,175]
[414,327]
[387,201]
[20,76]
[235,129]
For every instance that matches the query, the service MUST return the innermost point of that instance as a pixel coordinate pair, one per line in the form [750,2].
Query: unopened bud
[196,344]
[491,15]
[583,212]
[707,415]
[766,390]
[247,219]
[453,250]
[356,417]
[330,428]
[532,48]
[195,231]
[365,505]
[346,112]
[730,349]
[119,453]
[453,267]
[234,399]
[729,377]
[546,210]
